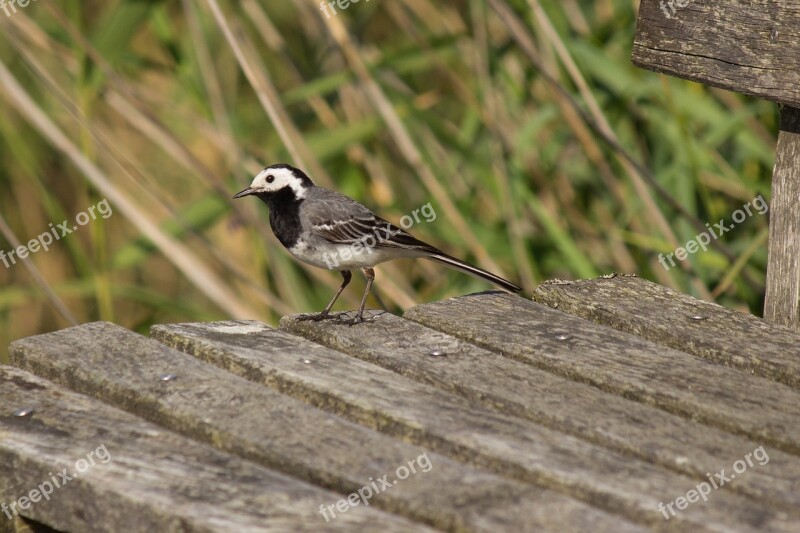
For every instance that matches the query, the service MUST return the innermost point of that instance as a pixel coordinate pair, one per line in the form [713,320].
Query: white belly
[343,257]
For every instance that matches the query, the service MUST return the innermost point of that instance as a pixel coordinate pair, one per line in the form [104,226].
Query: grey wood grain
[152,479]
[782,302]
[454,426]
[281,432]
[659,314]
[749,47]
[20,524]
[518,389]
[623,364]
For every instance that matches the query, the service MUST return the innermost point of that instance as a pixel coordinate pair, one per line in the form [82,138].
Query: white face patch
[275,179]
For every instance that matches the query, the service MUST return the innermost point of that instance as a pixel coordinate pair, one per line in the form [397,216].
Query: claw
[355,320]
[316,318]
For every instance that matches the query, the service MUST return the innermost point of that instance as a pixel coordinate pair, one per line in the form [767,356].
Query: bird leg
[326,312]
[370,275]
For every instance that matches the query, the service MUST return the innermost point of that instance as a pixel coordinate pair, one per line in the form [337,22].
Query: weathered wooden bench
[752,48]
[611,404]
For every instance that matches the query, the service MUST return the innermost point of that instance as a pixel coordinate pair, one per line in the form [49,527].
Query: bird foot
[355,320]
[359,318]
[318,317]
[339,317]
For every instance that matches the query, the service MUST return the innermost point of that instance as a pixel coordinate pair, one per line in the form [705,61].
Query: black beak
[247,192]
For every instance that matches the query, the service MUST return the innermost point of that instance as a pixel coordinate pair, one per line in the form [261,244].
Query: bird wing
[339,219]
[370,231]
[344,230]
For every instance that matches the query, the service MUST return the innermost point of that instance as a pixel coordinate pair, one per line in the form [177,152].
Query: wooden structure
[608,405]
[751,47]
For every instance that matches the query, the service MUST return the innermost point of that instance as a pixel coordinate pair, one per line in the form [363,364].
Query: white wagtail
[316,224]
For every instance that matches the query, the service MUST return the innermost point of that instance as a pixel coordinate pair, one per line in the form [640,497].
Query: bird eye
[270,178]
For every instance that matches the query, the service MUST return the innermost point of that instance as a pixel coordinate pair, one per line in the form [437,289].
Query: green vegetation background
[490,110]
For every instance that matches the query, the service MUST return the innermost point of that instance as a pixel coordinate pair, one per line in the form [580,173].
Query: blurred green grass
[395,103]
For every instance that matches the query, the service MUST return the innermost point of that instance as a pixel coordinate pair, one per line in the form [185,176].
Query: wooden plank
[451,425]
[21,524]
[782,302]
[664,316]
[144,478]
[519,389]
[273,429]
[751,47]
[623,364]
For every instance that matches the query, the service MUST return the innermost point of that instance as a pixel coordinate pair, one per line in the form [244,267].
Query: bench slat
[659,314]
[748,47]
[622,363]
[154,480]
[450,424]
[278,431]
[519,389]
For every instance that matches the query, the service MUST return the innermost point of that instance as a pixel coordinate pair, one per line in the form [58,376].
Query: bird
[327,229]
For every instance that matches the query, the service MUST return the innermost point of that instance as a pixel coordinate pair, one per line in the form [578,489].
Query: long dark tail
[474,271]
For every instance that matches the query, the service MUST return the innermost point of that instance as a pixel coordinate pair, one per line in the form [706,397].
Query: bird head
[278,178]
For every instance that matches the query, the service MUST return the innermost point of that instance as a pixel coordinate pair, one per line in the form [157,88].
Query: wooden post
[782,303]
